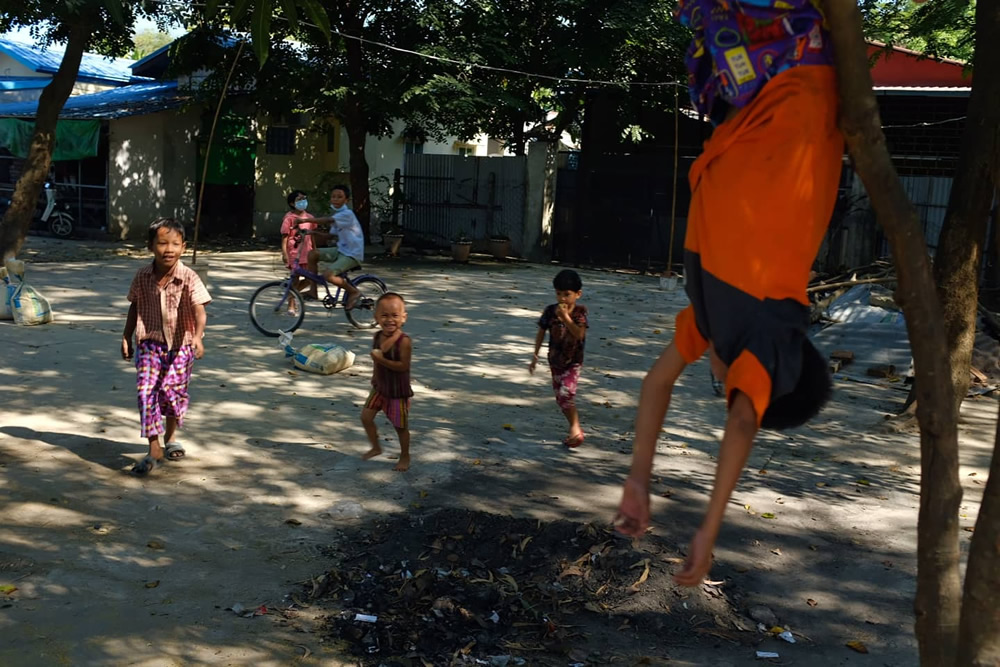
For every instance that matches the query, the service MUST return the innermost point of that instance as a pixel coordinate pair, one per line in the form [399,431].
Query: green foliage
[147,42]
[50,21]
[944,28]
[628,41]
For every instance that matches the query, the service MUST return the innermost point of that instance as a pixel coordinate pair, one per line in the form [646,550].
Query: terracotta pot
[500,248]
[392,243]
[460,250]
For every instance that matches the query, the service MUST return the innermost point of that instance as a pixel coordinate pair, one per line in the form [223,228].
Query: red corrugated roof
[903,67]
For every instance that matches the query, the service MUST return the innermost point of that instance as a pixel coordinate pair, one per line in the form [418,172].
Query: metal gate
[446,196]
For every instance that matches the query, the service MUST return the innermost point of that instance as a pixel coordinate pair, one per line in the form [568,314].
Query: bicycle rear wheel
[274,308]
[363,314]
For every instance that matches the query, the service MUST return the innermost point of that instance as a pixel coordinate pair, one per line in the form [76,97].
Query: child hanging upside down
[763,191]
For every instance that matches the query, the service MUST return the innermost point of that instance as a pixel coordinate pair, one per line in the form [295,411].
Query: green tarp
[75,139]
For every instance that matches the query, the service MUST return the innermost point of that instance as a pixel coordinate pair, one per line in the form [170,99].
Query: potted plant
[499,246]
[393,239]
[461,246]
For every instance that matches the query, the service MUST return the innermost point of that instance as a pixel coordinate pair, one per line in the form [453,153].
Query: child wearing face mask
[293,246]
[350,249]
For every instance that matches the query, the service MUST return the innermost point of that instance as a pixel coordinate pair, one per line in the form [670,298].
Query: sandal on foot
[145,466]
[174,451]
[352,301]
[574,441]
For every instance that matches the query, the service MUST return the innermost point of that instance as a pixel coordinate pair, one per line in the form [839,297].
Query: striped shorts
[397,410]
[162,381]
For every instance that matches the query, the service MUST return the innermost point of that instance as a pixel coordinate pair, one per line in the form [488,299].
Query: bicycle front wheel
[363,314]
[275,308]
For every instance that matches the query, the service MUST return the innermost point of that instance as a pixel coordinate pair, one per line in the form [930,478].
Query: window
[414,148]
[466,151]
[280,140]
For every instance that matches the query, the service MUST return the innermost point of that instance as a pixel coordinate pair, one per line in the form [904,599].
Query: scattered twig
[851,283]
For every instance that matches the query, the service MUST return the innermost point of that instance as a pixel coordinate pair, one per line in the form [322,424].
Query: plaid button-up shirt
[166,314]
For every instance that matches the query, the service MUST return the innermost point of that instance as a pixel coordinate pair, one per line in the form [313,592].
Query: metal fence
[448,195]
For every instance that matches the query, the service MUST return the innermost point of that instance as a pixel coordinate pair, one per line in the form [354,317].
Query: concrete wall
[385,154]
[310,169]
[151,171]
[11,67]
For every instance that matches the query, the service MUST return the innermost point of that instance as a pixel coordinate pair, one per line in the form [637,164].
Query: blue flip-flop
[145,465]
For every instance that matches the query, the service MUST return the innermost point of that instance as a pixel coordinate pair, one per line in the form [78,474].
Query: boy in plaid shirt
[167,318]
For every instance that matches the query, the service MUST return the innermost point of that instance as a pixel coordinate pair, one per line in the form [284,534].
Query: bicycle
[278,307]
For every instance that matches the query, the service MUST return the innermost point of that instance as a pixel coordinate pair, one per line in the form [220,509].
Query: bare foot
[403,465]
[371,453]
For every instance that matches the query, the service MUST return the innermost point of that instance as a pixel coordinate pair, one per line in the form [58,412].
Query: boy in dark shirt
[566,322]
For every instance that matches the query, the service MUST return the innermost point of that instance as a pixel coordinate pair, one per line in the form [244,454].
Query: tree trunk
[356,122]
[979,638]
[960,249]
[357,135]
[17,220]
[938,596]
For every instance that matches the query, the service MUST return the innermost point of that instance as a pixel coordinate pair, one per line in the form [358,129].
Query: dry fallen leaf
[857,646]
[766,515]
[508,427]
[152,584]
[7,589]
[776,551]
[293,522]
[634,588]
[156,544]
[811,602]
[821,484]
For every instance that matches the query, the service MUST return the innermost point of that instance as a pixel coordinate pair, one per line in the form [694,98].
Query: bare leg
[155,447]
[168,437]
[368,421]
[352,292]
[404,450]
[573,417]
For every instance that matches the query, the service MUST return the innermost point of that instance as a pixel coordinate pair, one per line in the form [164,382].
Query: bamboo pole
[208,152]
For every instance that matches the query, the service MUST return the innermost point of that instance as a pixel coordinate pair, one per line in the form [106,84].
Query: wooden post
[396,198]
[673,200]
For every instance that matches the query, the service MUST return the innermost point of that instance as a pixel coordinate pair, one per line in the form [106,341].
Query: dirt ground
[263,545]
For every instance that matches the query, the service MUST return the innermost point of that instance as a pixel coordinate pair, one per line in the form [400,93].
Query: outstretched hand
[698,562]
[633,511]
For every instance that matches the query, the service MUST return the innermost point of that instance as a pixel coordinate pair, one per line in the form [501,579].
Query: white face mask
[336,208]
[302,204]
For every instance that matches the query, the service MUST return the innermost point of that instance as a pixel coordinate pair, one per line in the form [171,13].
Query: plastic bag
[6,289]
[322,359]
[27,305]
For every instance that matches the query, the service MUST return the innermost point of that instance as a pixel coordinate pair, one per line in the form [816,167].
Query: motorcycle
[60,222]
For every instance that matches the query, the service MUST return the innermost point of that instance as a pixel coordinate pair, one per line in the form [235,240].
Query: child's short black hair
[292,196]
[810,395]
[567,280]
[390,295]
[164,223]
[343,188]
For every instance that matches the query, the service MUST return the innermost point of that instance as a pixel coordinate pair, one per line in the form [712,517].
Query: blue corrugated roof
[134,100]
[93,67]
